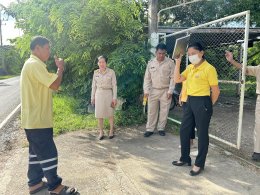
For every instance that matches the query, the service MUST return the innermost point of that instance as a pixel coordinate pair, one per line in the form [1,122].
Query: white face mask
[194,59]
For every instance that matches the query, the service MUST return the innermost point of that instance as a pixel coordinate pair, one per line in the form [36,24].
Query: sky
[8,25]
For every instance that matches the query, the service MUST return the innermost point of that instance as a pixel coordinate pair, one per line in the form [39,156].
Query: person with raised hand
[203,91]
[251,71]
[37,85]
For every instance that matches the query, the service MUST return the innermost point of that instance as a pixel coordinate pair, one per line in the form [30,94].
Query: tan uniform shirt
[254,71]
[159,75]
[106,80]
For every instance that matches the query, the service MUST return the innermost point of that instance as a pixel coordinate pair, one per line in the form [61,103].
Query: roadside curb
[10,116]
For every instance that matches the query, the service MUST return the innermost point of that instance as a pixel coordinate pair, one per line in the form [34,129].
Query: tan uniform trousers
[257,126]
[158,104]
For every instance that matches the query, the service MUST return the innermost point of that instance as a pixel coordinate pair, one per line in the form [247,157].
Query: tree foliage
[80,31]
[205,11]
[10,61]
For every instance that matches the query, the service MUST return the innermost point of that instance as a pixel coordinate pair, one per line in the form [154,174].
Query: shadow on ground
[132,164]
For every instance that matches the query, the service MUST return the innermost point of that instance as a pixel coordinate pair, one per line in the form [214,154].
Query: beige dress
[104,90]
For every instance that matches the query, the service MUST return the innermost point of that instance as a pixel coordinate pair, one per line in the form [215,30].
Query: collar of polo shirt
[200,66]
[38,59]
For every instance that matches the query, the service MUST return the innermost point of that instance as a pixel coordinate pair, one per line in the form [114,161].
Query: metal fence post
[242,94]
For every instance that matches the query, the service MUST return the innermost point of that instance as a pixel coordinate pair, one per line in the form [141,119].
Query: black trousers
[43,158]
[192,134]
[198,113]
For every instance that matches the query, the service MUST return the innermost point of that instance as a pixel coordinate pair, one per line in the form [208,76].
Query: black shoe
[256,156]
[101,137]
[194,173]
[148,134]
[162,133]
[180,163]
[111,136]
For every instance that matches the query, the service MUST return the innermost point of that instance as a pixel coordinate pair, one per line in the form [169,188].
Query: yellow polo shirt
[36,96]
[200,79]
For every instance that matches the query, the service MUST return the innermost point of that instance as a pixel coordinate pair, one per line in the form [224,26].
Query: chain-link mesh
[217,37]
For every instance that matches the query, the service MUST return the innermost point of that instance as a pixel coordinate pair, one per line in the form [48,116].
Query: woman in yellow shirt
[203,91]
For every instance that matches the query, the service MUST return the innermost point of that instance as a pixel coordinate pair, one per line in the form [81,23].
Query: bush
[129,62]
[250,89]
[79,33]
[132,116]
[12,61]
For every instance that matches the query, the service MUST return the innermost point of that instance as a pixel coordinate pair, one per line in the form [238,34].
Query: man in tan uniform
[158,87]
[252,71]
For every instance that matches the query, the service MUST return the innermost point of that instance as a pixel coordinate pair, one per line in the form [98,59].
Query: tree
[80,31]
[205,11]
[12,61]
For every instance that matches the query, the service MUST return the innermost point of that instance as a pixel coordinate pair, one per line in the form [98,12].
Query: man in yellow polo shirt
[36,100]
[203,91]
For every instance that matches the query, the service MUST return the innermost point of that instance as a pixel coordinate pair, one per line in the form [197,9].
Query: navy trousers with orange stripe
[43,158]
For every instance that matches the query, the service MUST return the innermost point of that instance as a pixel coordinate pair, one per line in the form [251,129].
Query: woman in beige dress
[104,95]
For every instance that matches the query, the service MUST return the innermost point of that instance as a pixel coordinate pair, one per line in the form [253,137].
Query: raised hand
[59,63]
[178,58]
[229,56]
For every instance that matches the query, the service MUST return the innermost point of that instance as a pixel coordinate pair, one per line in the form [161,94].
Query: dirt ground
[131,164]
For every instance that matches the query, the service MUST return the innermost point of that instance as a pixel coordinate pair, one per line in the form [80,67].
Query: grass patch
[132,116]
[70,115]
[173,127]
[67,117]
[7,77]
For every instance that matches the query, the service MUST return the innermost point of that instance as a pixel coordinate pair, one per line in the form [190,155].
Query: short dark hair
[161,46]
[38,40]
[103,57]
[197,46]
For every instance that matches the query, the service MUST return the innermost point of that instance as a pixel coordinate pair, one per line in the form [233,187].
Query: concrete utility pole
[1,35]
[152,23]
[152,15]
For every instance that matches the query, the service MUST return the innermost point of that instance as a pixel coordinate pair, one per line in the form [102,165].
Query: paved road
[9,96]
